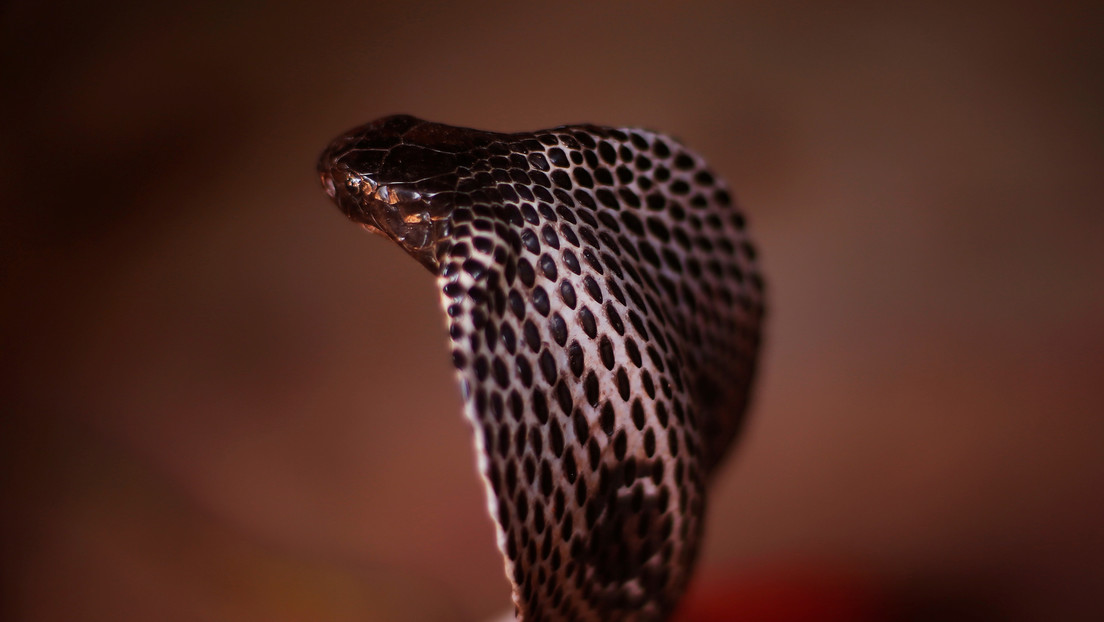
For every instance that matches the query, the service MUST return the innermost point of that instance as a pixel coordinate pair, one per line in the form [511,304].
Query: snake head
[397,177]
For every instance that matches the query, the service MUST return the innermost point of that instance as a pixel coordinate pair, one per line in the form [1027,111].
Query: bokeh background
[221,401]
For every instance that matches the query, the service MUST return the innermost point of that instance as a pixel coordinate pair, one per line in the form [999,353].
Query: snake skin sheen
[604,306]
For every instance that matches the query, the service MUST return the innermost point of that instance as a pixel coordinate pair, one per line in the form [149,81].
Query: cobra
[604,306]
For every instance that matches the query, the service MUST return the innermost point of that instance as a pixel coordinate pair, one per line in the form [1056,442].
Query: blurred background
[221,401]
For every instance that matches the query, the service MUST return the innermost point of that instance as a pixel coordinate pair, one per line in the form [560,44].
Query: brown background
[221,401]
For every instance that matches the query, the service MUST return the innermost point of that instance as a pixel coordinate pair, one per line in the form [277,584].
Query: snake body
[604,305]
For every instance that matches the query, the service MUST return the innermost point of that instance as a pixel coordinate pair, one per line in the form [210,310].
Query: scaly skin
[604,306]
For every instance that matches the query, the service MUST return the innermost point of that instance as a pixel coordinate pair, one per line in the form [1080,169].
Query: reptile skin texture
[604,306]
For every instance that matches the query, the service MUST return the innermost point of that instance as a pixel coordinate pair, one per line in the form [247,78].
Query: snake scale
[604,305]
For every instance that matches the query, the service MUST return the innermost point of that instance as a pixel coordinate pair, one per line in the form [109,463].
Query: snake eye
[393,195]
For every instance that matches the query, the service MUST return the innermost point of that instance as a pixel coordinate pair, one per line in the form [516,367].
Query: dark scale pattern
[604,306]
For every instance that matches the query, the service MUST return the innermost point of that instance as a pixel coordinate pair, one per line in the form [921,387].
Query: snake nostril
[328,185]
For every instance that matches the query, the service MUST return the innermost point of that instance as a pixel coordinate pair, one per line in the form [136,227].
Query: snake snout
[328,185]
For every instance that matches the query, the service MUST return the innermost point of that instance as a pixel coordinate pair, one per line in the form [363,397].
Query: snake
[604,304]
